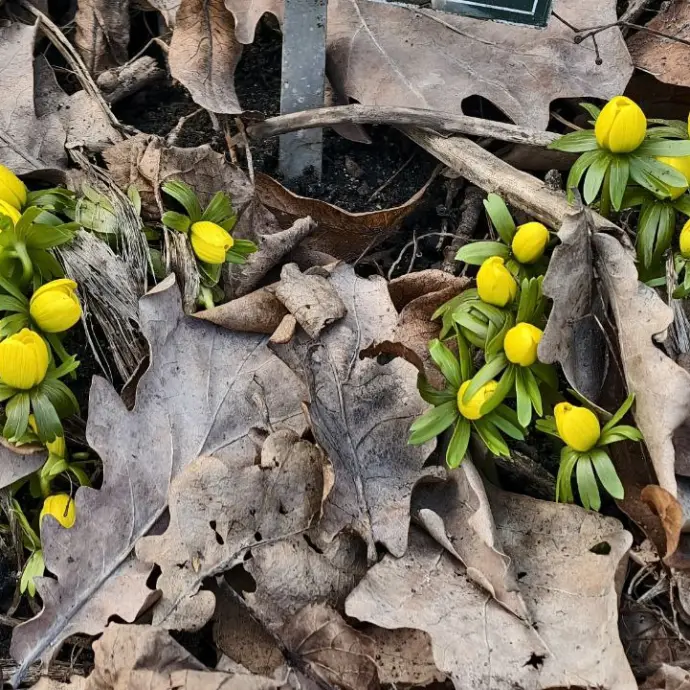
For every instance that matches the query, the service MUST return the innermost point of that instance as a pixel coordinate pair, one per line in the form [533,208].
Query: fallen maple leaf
[17,462]
[204,390]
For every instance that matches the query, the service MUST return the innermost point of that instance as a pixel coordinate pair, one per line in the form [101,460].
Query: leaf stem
[27,266]
[605,204]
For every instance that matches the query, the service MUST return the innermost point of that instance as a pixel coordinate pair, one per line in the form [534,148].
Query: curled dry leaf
[518,69]
[28,142]
[670,513]
[102,33]
[168,8]
[360,414]
[668,677]
[17,462]
[340,233]
[204,54]
[258,312]
[458,516]
[569,590]
[146,162]
[204,390]
[219,510]
[417,296]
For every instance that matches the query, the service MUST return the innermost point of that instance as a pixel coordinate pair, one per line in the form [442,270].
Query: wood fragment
[119,82]
[471,211]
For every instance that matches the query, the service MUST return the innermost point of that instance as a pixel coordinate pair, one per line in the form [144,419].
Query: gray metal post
[303,83]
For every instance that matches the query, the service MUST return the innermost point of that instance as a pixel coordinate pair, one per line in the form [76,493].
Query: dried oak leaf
[340,233]
[204,54]
[204,390]
[168,8]
[28,142]
[142,657]
[17,462]
[360,414]
[386,54]
[668,677]
[219,509]
[102,33]
[258,312]
[458,516]
[146,162]
[569,590]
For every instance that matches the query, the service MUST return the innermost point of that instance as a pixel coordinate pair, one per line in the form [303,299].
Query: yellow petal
[621,125]
[10,211]
[577,426]
[495,283]
[473,408]
[685,240]
[23,360]
[61,507]
[520,344]
[12,189]
[682,165]
[210,242]
[55,306]
[529,242]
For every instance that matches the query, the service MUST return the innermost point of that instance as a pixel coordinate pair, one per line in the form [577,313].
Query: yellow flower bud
[577,426]
[61,507]
[520,344]
[12,189]
[56,447]
[621,125]
[210,242]
[472,409]
[685,240]
[55,306]
[9,211]
[682,165]
[529,242]
[23,360]
[495,283]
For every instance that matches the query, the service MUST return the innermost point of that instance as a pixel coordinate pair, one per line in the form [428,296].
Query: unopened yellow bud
[473,408]
[520,344]
[12,189]
[495,283]
[577,426]
[23,360]
[685,240]
[9,211]
[621,126]
[55,306]
[210,242]
[61,507]
[529,242]
[682,165]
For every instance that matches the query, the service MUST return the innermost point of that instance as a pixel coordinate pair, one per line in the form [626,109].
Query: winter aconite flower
[495,283]
[577,426]
[520,344]
[210,242]
[682,165]
[529,242]
[12,189]
[621,126]
[55,306]
[61,507]
[684,241]
[6,209]
[23,360]
[472,409]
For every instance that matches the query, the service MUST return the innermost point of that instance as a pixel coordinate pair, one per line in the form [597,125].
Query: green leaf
[618,180]
[244,247]
[471,323]
[621,432]
[134,198]
[61,397]
[488,372]
[662,147]
[505,386]
[682,204]
[506,420]
[607,474]
[185,196]
[523,400]
[457,448]
[34,567]
[546,373]
[655,231]
[48,236]
[47,420]
[533,390]
[476,253]
[210,273]
[619,413]
[575,142]
[45,264]
[564,488]
[500,218]
[25,222]
[591,109]
[464,356]
[219,209]
[13,324]
[432,395]
[67,367]
[8,286]
[176,221]
[10,303]
[17,410]
[580,166]
[6,392]
[494,345]
[433,422]
[655,176]
[491,437]
[529,298]
[595,177]
[587,484]
[447,363]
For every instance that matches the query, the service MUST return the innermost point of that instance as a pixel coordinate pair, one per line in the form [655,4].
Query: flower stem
[605,204]
[206,297]
[27,266]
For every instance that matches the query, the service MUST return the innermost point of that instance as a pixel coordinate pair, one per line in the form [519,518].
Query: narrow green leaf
[618,180]
[491,437]
[655,176]
[48,236]
[470,322]
[607,474]
[505,386]
[591,109]
[244,247]
[488,372]
[219,209]
[682,204]
[176,221]
[6,392]
[622,432]
[476,253]
[508,424]
[662,147]
[522,399]
[533,390]
[185,196]
[13,324]
[61,397]
[564,482]
[47,420]
[457,448]
[17,410]
[587,484]
[447,363]
[500,218]
[619,413]
[464,356]
[546,373]
[575,142]
[529,295]
[432,395]
[595,177]
[432,423]
[26,221]
[10,303]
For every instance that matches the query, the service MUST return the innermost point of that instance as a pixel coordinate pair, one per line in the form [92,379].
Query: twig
[634,10]
[413,243]
[247,148]
[119,82]
[54,34]
[563,121]
[390,115]
[392,177]
[172,138]
[471,211]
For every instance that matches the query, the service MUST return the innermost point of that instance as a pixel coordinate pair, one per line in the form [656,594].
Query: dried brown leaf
[221,508]
[360,414]
[204,54]
[204,390]
[340,233]
[168,8]
[17,462]
[385,54]
[670,513]
[569,590]
[102,33]
[668,677]
[258,312]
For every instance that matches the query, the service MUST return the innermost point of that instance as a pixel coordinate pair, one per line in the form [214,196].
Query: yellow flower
[56,447]
[682,165]
[621,126]
[685,240]
[520,344]
[472,409]
[529,242]
[9,211]
[55,306]
[210,242]
[61,507]
[577,426]
[23,360]
[12,189]
[495,283]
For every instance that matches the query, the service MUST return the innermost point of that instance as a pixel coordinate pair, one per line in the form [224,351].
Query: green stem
[206,297]
[59,350]
[27,266]
[605,204]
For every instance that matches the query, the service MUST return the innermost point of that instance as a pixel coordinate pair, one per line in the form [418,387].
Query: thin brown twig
[413,243]
[172,138]
[392,177]
[247,148]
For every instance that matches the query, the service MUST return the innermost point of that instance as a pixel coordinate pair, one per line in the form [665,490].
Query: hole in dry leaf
[152,579]
[282,509]
[521,574]
[478,106]
[602,548]
[536,660]
[311,544]
[219,538]
[240,580]
[257,536]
